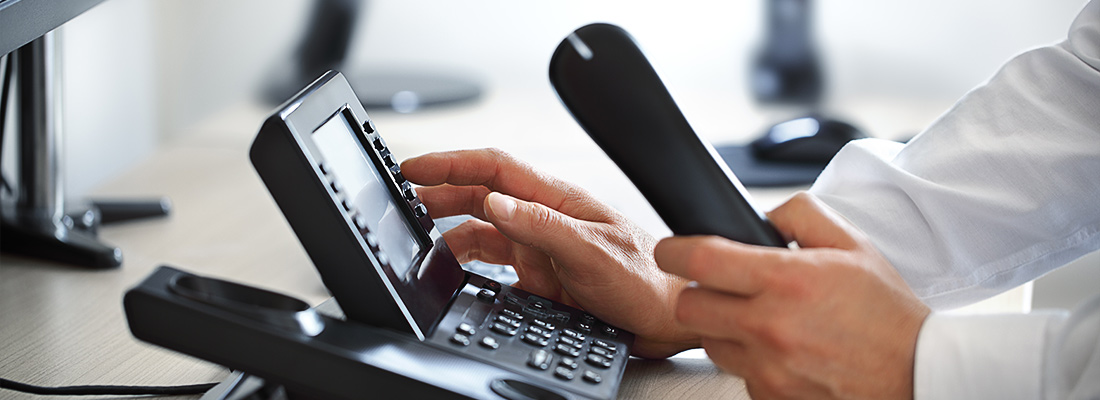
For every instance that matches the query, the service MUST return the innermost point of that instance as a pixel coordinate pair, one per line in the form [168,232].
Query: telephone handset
[379,253]
[606,82]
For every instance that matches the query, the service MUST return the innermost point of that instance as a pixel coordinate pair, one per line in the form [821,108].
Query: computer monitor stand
[325,46]
[35,223]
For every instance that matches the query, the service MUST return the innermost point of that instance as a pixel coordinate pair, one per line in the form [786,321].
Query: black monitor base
[33,217]
[56,241]
[73,239]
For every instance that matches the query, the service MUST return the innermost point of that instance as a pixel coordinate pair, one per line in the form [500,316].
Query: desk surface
[63,325]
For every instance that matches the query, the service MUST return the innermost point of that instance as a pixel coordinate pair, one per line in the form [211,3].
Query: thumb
[530,223]
[811,223]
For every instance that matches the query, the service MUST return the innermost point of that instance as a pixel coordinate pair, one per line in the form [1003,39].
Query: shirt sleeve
[1041,355]
[1000,189]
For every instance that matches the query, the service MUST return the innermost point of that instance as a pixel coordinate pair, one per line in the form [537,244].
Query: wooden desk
[62,325]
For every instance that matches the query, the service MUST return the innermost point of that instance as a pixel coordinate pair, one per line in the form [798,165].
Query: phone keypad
[569,348]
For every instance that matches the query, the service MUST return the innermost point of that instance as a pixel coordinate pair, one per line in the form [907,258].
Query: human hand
[564,244]
[832,319]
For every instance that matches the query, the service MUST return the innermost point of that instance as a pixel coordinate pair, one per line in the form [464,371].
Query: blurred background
[139,75]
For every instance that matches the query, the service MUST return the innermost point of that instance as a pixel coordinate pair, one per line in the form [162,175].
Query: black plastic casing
[341,360]
[366,287]
[607,83]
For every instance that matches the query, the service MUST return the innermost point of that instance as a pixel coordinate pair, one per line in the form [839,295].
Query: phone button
[486,295]
[490,343]
[573,334]
[592,377]
[570,341]
[601,351]
[369,237]
[540,359]
[359,220]
[604,344]
[368,126]
[539,331]
[503,329]
[543,324]
[421,211]
[460,339]
[563,373]
[506,312]
[567,350]
[383,260]
[465,329]
[598,360]
[535,339]
[610,332]
[507,320]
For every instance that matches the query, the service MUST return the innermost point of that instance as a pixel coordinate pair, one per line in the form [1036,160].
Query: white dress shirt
[1001,189]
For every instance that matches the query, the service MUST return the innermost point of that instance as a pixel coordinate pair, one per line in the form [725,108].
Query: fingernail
[503,207]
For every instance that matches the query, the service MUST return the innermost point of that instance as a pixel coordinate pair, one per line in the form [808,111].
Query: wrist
[665,336]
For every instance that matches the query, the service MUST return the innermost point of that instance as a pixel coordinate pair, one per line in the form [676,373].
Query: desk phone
[416,322]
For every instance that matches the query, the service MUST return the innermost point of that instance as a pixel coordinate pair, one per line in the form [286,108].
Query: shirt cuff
[980,356]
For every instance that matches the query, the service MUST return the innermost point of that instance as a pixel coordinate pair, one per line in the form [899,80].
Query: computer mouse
[812,139]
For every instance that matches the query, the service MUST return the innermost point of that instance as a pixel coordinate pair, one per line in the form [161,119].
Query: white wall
[214,53]
[138,71]
[109,92]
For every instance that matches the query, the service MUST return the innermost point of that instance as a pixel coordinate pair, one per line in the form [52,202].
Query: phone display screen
[366,191]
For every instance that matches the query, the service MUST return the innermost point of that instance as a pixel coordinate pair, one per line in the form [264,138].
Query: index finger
[720,264]
[494,169]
